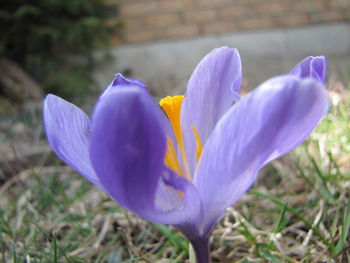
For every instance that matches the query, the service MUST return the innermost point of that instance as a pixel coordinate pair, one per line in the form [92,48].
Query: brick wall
[149,20]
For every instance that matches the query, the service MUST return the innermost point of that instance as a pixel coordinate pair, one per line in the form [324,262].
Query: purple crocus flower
[186,162]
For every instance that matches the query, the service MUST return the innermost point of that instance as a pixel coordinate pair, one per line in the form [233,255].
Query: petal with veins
[267,123]
[211,90]
[68,131]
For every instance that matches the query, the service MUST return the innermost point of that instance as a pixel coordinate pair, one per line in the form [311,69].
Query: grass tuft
[298,211]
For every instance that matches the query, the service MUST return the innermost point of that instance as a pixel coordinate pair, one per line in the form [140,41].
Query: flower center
[172,108]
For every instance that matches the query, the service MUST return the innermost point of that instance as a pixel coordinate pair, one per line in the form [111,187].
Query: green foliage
[41,35]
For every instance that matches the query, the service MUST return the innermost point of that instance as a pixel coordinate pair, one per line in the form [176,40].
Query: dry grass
[298,211]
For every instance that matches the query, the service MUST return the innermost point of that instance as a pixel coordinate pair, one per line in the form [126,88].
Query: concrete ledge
[166,66]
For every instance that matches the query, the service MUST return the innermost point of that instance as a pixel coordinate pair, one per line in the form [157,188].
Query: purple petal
[311,67]
[120,81]
[127,151]
[68,131]
[262,126]
[211,90]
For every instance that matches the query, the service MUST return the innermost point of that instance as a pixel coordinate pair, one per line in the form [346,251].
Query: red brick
[147,20]
[333,15]
[230,13]
[140,36]
[170,5]
[175,5]
[345,4]
[160,21]
[211,3]
[256,23]
[219,27]
[138,8]
[247,2]
[307,5]
[272,8]
[292,20]
[179,31]
[117,40]
[200,16]
[347,14]
[131,24]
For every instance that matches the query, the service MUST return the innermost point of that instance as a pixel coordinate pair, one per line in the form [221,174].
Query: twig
[314,224]
[131,247]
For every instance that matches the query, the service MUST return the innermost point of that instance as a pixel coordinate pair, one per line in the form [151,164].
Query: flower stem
[200,247]
[191,253]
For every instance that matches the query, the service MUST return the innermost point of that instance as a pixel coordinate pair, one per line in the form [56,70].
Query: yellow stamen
[172,162]
[170,158]
[172,107]
[198,142]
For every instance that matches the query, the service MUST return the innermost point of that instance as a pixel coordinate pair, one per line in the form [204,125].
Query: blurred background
[168,38]
[73,48]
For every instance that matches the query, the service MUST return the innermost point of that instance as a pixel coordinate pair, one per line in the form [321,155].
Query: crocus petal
[120,81]
[68,131]
[264,125]
[211,90]
[311,67]
[127,151]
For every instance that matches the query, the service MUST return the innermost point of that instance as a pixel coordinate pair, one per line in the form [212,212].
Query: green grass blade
[245,231]
[281,222]
[2,246]
[297,214]
[269,257]
[344,230]
[175,239]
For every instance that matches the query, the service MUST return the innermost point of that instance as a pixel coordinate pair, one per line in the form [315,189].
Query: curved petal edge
[127,150]
[211,91]
[311,67]
[267,123]
[68,132]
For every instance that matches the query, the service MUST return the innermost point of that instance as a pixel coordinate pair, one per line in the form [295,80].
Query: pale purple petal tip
[311,67]
[68,130]
[120,81]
